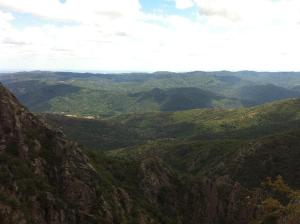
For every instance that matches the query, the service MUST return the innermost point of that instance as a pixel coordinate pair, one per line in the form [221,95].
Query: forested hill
[112,94]
[46,178]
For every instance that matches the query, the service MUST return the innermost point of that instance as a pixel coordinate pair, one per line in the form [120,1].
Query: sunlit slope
[205,124]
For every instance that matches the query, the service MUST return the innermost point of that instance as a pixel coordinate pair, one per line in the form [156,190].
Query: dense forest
[190,148]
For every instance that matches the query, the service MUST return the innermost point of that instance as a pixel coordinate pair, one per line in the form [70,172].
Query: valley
[149,112]
[164,148]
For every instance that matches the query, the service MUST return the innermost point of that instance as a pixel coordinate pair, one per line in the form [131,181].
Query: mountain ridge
[46,178]
[113,94]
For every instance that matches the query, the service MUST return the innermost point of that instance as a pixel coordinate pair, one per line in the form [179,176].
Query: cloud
[5,19]
[5,16]
[13,42]
[75,10]
[250,11]
[209,9]
[184,4]
[118,35]
[230,9]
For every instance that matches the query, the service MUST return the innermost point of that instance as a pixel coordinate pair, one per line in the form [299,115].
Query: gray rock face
[44,177]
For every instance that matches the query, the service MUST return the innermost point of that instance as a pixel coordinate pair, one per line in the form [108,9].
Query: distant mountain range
[87,94]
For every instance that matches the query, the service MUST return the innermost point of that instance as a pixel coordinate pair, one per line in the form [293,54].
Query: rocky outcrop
[219,201]
[46,178]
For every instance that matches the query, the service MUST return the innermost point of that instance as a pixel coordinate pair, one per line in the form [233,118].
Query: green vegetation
[37,95]
[86,94]
[261,94]
[192,125]
[170,152]
[281,203]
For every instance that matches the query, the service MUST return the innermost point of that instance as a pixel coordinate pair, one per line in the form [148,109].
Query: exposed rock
[44,177]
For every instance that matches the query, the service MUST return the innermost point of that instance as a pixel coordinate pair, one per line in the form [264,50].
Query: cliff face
[44,177]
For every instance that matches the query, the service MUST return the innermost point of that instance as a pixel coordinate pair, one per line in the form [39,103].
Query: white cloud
[184,4]
[251,11]
[75,10]
[5,19]
[118,35]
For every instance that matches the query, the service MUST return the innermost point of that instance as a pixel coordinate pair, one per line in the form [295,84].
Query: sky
[150,35]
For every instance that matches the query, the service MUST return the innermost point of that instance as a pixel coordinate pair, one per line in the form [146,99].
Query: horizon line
[137,71]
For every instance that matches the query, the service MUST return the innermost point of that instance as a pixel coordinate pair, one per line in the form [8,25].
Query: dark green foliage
[177,99]
[270,156]
[37,95]
[4,198]
[259,94]
[94,134]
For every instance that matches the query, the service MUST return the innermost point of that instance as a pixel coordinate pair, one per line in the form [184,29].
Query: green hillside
[37,95]
[70,99]
[213,165]
[88,94]
[246,123]
[177,99]
[260,94]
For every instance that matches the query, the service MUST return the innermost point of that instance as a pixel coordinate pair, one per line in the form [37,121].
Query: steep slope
[39,168]
[253,176]
[249,162]
[268,157]
[44,177]
[48,179]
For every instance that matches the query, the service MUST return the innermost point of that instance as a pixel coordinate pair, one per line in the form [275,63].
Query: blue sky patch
[23,20]
[167,7]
